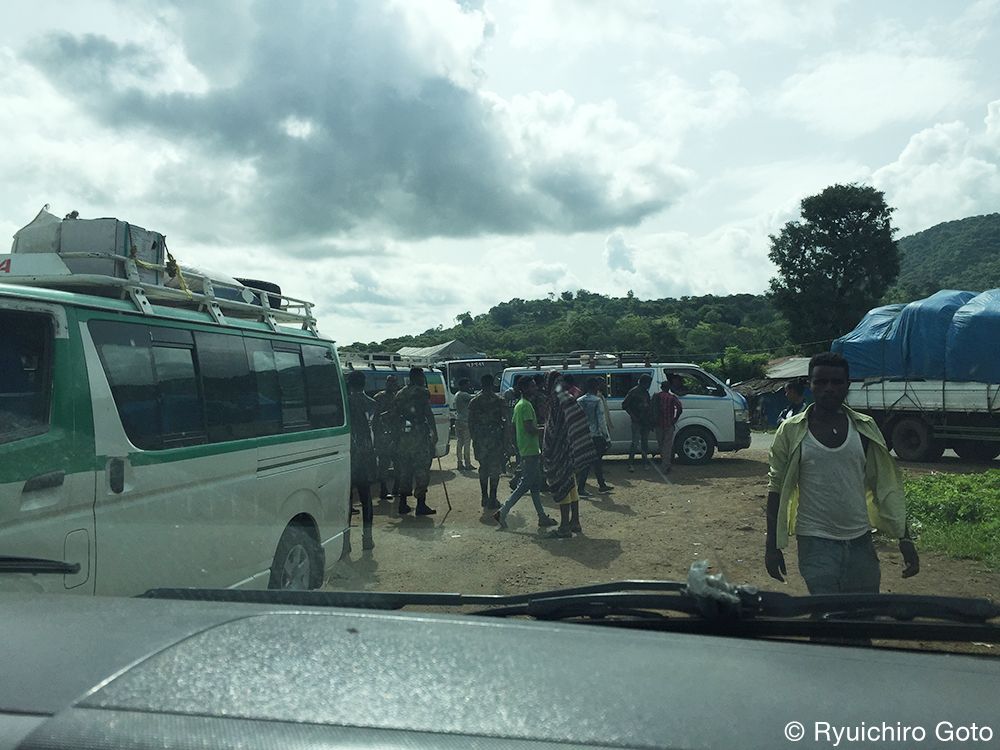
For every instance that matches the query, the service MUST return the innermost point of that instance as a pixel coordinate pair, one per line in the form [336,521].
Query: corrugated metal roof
[449,349]
[787,368]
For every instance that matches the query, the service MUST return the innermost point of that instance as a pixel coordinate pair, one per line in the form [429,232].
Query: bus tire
[694,446]
[972,450]
[912,440]
[298,560]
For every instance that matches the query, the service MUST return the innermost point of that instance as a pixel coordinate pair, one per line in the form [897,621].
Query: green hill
[962,254]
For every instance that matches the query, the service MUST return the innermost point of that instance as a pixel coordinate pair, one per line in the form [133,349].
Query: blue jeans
[640,439]
[830,566]
[531,476]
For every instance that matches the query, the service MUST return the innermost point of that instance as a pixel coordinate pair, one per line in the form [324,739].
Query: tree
[835,264]
[465,319]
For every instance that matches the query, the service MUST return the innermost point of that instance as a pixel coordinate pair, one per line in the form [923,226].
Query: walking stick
[444,484]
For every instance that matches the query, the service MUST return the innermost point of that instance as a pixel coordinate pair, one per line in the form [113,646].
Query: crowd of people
[830,477]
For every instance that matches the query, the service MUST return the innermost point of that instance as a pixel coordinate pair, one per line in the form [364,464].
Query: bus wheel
[972,450]
[694,445]
[912,441]
[298,561]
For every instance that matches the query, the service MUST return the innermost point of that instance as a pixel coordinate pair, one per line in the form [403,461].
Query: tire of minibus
[694,446]
[295,547]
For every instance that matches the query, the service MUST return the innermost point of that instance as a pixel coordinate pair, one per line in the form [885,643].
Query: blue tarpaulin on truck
[973,345]
[951,335]
[872,347]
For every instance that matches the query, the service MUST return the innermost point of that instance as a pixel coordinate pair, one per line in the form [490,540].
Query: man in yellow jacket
[831,481]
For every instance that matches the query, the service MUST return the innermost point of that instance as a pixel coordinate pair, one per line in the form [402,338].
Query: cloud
[945,172]
[847,95]
[785,22]
[618,255]
[379,125]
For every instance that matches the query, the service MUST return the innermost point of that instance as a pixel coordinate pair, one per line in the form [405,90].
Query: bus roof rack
[372,360]
[588,358]
[48,270]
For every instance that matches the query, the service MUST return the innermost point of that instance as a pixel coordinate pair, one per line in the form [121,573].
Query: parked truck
[929,373]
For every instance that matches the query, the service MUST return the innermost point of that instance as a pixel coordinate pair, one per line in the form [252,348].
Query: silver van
[715,416]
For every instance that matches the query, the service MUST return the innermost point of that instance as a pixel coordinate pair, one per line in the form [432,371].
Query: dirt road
[645,529]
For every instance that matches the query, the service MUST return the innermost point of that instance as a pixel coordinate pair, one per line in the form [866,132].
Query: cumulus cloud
[945,172]
[783,22]
[847,95]
[378,123]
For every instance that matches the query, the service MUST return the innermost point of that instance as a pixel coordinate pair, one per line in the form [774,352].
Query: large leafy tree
[836,263]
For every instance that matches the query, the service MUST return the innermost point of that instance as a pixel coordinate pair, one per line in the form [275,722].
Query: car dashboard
[139,673]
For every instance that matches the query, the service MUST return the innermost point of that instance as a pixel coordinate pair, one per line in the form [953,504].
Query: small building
[766,396]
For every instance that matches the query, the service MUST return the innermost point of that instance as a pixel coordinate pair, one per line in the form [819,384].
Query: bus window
[623,382]
[25,374]
[325,403]
[261,357]
[227,387]
[126,354]
[291,382]
[183,421]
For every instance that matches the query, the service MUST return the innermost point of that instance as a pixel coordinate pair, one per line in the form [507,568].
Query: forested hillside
[963,254]
[719,331]
[689,328]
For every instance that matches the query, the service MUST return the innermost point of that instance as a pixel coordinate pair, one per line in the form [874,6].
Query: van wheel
[298,561]
[694,445]
[971,450]
[912,441]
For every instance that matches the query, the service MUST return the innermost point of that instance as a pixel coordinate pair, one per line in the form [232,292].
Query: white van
[145,442]
[715,416]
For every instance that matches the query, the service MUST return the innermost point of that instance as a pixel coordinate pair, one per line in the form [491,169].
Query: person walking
[487,426]
[364,469]
[593,408]
[417,438]
[567,448]
[795,392]
[569,386]
[667,410]
[527,434]
[830,478]
[386,437]
[637,405]
[462,400]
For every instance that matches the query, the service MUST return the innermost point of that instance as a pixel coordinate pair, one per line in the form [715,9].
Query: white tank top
[832,489]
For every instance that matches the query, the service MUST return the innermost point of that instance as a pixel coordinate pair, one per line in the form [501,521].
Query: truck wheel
[694,445]
[298,561]
[971,450]
[912,441]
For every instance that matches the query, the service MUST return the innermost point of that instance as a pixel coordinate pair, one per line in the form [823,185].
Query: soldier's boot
[384,494]
[404,507]
[422,508]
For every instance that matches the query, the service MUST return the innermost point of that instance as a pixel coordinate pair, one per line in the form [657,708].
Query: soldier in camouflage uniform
[386,437]
[417,438]
[487,425]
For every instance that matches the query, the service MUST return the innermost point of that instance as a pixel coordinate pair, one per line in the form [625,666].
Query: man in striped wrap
[566,449]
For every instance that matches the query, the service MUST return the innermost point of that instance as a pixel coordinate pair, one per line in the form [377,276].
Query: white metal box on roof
[102,239]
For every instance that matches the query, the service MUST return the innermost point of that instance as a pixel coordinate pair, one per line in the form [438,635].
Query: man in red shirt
[667,410]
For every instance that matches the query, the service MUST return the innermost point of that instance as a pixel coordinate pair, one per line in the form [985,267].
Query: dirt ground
[647,528]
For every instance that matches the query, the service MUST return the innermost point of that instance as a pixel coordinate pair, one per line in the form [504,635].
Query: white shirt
[832,489]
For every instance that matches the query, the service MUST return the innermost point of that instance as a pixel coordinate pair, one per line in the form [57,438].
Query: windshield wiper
[706,604]
[11,564]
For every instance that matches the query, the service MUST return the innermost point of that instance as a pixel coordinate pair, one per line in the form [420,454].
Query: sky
[401,162]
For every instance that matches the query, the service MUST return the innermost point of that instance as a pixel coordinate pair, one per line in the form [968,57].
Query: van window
[265,374]
[127,358]
[623,382]
[694,383]
[292,387]
[228,389]
[326,405]
[183,420]
[25,374]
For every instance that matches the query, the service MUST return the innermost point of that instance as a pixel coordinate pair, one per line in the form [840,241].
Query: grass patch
[958,514]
